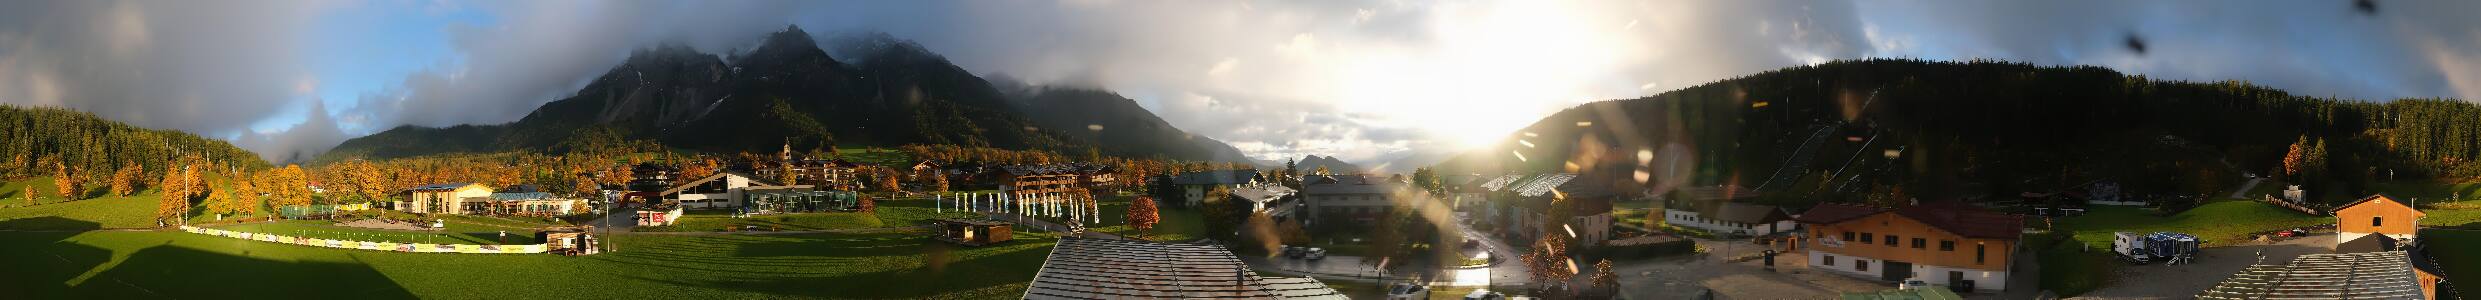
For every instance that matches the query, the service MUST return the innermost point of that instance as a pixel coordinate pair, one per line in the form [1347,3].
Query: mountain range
[788,90]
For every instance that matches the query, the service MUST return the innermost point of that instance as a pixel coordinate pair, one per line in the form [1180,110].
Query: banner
[363,245]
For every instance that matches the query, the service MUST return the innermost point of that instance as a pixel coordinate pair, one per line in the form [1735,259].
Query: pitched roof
[440,187]
[1216,177]
[2372,275]
[1262,193]
[1501,183]
[1746,213]
[1351,185]
[753,180]
[1966,220]
[2378,198]
[1080,268]
[1542,185]
[2367,243]
[1825,213]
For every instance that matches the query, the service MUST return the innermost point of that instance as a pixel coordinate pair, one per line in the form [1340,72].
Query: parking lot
[2157,281]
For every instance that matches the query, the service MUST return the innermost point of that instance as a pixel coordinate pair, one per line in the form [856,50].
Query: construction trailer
[2170,247]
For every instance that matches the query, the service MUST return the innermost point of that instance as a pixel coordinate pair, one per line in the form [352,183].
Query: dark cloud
[209,67]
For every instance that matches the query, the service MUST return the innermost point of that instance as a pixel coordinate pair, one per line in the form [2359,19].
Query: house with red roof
[1952,244]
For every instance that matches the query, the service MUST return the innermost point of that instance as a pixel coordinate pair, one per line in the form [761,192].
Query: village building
[974,232]
[1038,181]
[1948,243]
[2376,215]
[1262,197]
[1528,204]
[1082,268]
[722,190]
[537,204]
[651,177]
[1470,194]
[1100,178]
[1725,209]
[2367,275]
[571,240]
[1194,185]
[444,198]
[1483,193]
[1351,199]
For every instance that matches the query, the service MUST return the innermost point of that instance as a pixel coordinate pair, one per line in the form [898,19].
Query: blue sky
[1362,80]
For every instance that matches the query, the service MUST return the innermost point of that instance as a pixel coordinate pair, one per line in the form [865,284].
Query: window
[1848,236]
[1980,253]
[1918,243]
[1865,238]
[1830,260]
[1946,245]
[2377,221]
[1860,265]
[1891,240]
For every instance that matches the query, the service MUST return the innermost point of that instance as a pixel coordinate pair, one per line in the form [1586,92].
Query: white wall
[1983,280]
[1694,220]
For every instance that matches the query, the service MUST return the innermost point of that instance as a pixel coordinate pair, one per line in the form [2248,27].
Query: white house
[722,190]
[1733,218]
[1196,184]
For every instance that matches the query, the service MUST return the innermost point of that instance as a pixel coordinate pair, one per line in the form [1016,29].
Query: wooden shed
[972,232]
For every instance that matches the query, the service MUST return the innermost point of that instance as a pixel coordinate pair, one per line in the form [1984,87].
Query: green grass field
[2220,223]
[136,211]
[1178,225]
[162,264]
[891,213]
[456,233]
[2454,250]
[2426,190]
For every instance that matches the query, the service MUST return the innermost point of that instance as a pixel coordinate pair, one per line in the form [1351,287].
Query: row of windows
[1979,251]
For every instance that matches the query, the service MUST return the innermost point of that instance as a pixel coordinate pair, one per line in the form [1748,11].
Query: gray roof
[520,196]
[1542,185]
[1216,177]
[1081,268]
[441,186]
[1501,183]
[2372,275]
[1750,213]
[1353,185]
[1262,193]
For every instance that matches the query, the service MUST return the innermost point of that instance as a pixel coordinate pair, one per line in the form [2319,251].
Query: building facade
[1194,185]
[2377,214]
[1950,244]
[445,198]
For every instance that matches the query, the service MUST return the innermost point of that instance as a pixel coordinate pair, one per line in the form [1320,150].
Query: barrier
[365,245]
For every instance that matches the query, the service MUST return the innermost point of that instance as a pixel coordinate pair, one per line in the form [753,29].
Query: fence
[2278,202]
[362,245]
[299,211]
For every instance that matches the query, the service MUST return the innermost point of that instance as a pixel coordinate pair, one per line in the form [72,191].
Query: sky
[1360,80]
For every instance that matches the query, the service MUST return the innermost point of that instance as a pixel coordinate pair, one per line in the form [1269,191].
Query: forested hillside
[44,140]
[1884,130]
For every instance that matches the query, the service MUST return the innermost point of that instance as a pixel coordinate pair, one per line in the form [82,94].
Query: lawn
[2220,223]
[891,213]
[160,264]
[2427,190]
[1178,225]
[456,233]
[136,211]
[2452,249]
[2069,270]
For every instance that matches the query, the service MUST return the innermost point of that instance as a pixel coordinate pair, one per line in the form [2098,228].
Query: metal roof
[1081,268]
[440,186]
[2373,275]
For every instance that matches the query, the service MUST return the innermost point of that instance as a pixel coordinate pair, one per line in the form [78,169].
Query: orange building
[2377,214]
[1942,243]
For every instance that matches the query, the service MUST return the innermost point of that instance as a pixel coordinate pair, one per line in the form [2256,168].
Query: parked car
[1314,254]
[1911,284]
[1407,291]
[1484,294]
[1292,251]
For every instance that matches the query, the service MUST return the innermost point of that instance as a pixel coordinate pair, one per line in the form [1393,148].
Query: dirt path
[2245,187]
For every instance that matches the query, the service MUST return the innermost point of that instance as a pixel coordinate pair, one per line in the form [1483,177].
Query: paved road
[2244,187]
[2156,281]
[1507,271]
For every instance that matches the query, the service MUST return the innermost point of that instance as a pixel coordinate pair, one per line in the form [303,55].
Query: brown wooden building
[1948,243]
[2377,214]
[971,232]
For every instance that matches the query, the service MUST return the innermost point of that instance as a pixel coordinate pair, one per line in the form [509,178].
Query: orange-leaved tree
[1143,214]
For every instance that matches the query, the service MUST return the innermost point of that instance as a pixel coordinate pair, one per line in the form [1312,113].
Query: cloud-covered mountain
[885,92]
